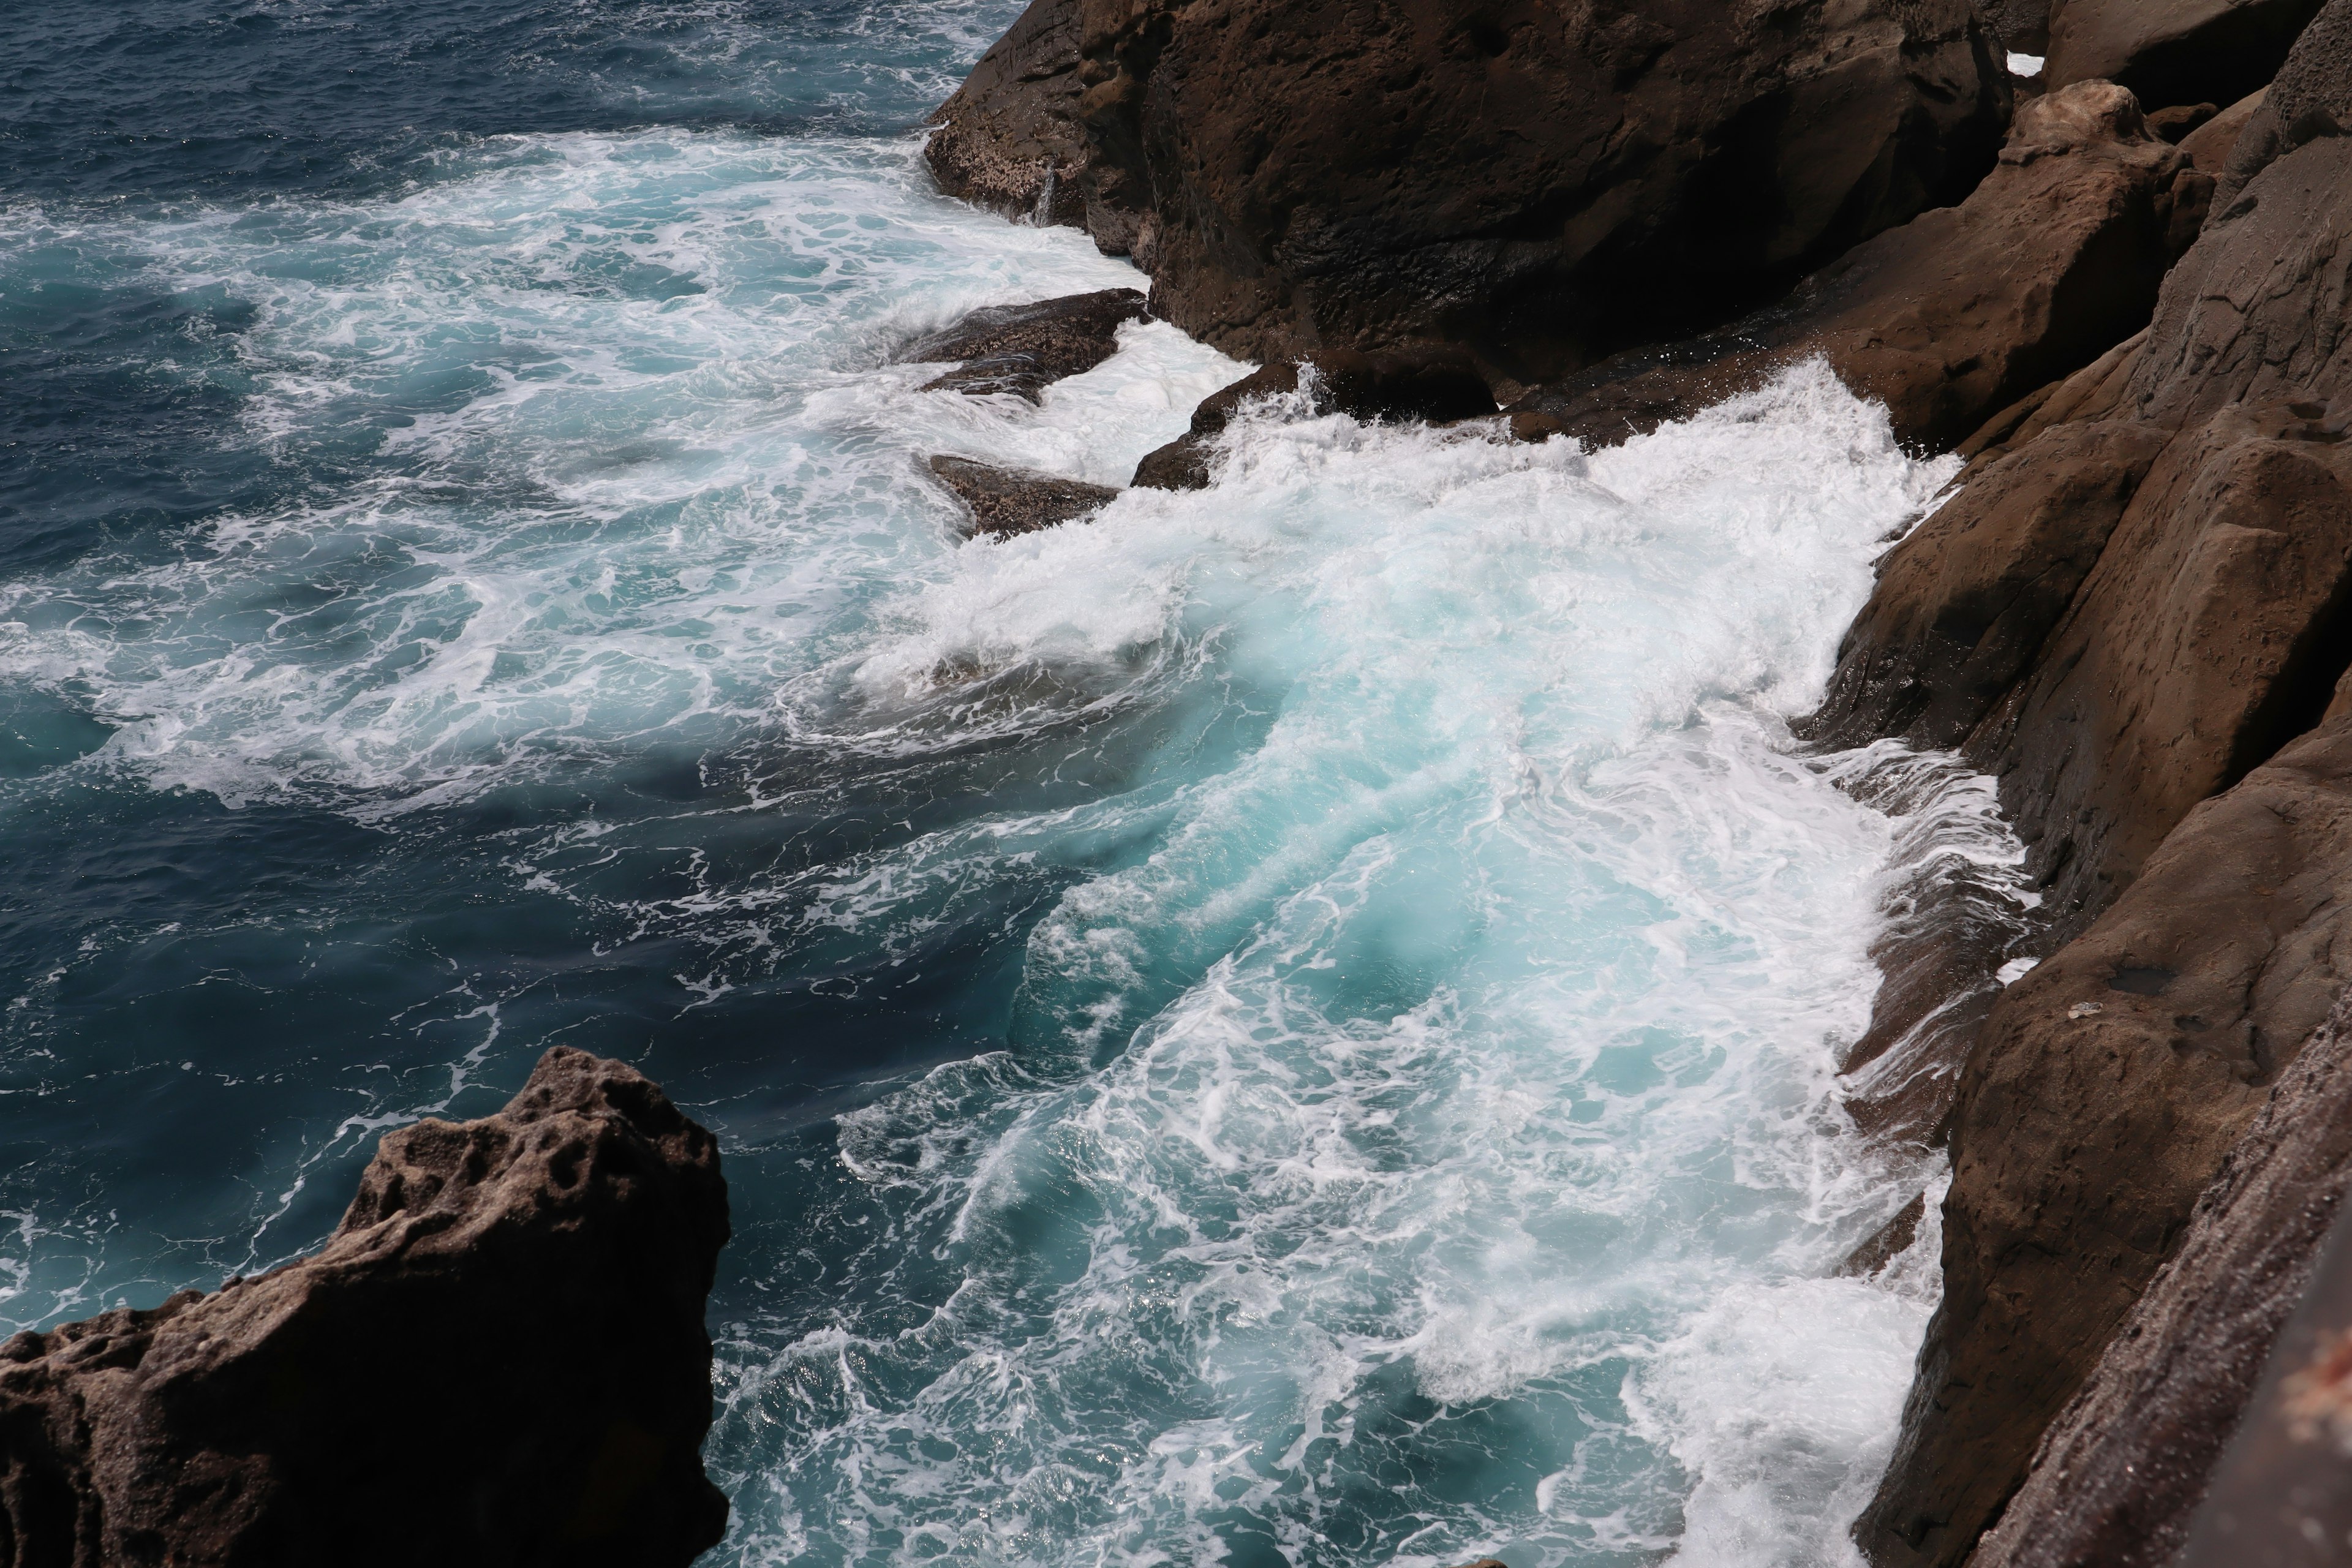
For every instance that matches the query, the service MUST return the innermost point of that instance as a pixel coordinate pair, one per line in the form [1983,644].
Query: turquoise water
[1289,1024]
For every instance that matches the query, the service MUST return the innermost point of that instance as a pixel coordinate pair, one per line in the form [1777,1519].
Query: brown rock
[2309,101]
[2119,1473]
[1009,138]
[2173,51]
[2207,145]
[2055,258]
[2022,25]
[499,1357]
[1376,388]
[1023,349]
[2107,1086]
[1007,501]
[1543,185]
[2175,123]
[2210,632]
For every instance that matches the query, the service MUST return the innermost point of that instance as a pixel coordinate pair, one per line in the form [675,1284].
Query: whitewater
[1295,1023]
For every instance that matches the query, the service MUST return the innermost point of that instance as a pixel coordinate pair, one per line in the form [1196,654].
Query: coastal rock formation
[2104,1091]
[498,1358]
[2310,100]
[2119,1474]
[2208,146]
[1539,185]
[2173,51]
[1371,387]
[1023,349]
[2057,255]
[1009,501]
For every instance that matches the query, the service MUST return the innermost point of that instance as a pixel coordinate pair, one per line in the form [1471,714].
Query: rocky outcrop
[1009,501]
[2104,1093]
[2310,100]
[2119,1474]
[1024,348]
[1375,389]
[2022,25]
[2058,255]
[2207,145]
[2173,51]
[498,1358]
[1540,185]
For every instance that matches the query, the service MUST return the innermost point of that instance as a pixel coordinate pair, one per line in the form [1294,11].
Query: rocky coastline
[499,1357]
[2118,291]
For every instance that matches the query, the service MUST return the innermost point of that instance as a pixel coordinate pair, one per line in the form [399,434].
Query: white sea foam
[1419,1135]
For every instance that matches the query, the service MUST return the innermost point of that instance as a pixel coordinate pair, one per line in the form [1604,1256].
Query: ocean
[1291,1023]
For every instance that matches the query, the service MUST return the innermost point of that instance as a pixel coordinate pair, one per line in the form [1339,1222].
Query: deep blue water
[1287,1025]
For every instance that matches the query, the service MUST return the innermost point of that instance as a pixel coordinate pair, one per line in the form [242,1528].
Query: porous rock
[1023,349]
[2118,1476]
[1009,501]
[2056,256]
[1374,387]
[1540,184]
[2173,51]
[2309,101]
[499,1357]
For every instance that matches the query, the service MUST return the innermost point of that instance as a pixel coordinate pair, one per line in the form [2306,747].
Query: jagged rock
[2022,25]
[2309,101]
[1023,349]
[498,1358]
[1007,501]
[2107,1087]
[1540,185]
[2173,51]
[2058,255]
[1371,387]
[2208,146]
[1009,138]
[2120,1471]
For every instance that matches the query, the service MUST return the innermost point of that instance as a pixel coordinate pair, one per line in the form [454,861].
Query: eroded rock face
[1024,348]
[498,1358]
[1542,185]
[2056,256]
[1009,501]
[2309,101]
[2120,1472]
[2173,51]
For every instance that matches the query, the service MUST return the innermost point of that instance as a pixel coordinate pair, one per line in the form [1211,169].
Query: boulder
[2055,258]
[1541,185]
[2207,145]
[499,1357]
[1375,389]
[2107,1086]
[1023,349]
[2118,1477]
[2173,51]
[1009,501]
[2022,27]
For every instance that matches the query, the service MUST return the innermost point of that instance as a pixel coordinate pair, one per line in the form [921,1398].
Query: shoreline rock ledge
[499,1357]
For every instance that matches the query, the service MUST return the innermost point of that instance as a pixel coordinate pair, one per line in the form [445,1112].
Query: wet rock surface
[1371,387]
[1009,501]
[1541,187]
[2119,1474]
[1024,348]
[499,1357]
[2056,256]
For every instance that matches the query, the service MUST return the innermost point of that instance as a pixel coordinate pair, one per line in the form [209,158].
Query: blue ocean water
[1292,1024]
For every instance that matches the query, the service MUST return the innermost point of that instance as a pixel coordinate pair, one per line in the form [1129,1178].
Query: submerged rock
[1006,502]
[1023,349]
[1540,185]
[2059,253]
[498,1358]
[1375,389]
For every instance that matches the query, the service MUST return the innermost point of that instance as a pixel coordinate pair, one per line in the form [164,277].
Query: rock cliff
[499,1357]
